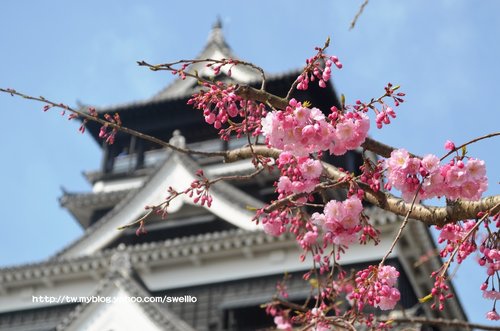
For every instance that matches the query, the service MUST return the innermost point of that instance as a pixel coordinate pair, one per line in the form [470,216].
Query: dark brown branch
[430,215]
[171,67]
[250,93]
[459,210]
[290,304]
[358,14]
[246,92]
[463,325]
[379,148]
[112,125]
[237,177]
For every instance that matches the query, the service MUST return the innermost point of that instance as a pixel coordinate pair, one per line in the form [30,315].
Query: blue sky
[444,54]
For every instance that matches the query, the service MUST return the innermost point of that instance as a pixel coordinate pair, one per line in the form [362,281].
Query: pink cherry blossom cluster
[375,286]
[315,71]
[216,66]
[198,191]
[492,294]
[282,323]
[385,113]
[490,259]
[351,130]
[220,104]
[298,174]
[251,114]
[340,221]
[199,188]
[301,130]
[110,135]
[460,242]
[317,318]
[340,224]
[371,174]
[458,238]
[440,291]
[275,223]
[456,179]
[493,315]
[297,129]
[384,116]
[285,319]
[103,133]
[281,319]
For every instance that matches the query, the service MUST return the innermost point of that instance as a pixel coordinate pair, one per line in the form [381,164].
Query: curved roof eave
[229,204]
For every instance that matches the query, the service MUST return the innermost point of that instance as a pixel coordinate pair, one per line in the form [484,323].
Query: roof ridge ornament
[120,262]
[218,23]
[177,139]
[216,35]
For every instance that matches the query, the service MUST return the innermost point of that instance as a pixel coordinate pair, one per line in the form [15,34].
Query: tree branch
[494,134]
[358,14]
[109,124]
[430,215]
[250,93]
[440,322]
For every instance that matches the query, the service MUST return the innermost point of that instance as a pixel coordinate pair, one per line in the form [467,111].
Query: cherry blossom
[304,134]
[493,315]
[455,180]
[375,287]
[301,130]
[282,323]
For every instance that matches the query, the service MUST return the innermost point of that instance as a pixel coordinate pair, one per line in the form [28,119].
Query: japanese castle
[216,260]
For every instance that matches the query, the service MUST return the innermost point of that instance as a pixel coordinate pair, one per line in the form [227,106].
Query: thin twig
[466,237]
[440,322]
[170,67]
[112,125]
[250,93]
[402,227]
[358,14]
[428,214]
[494,134]
[306,69]
[236,177]
[170,198]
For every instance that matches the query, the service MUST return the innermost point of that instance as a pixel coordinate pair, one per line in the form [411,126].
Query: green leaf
[425,299]
[314,282]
